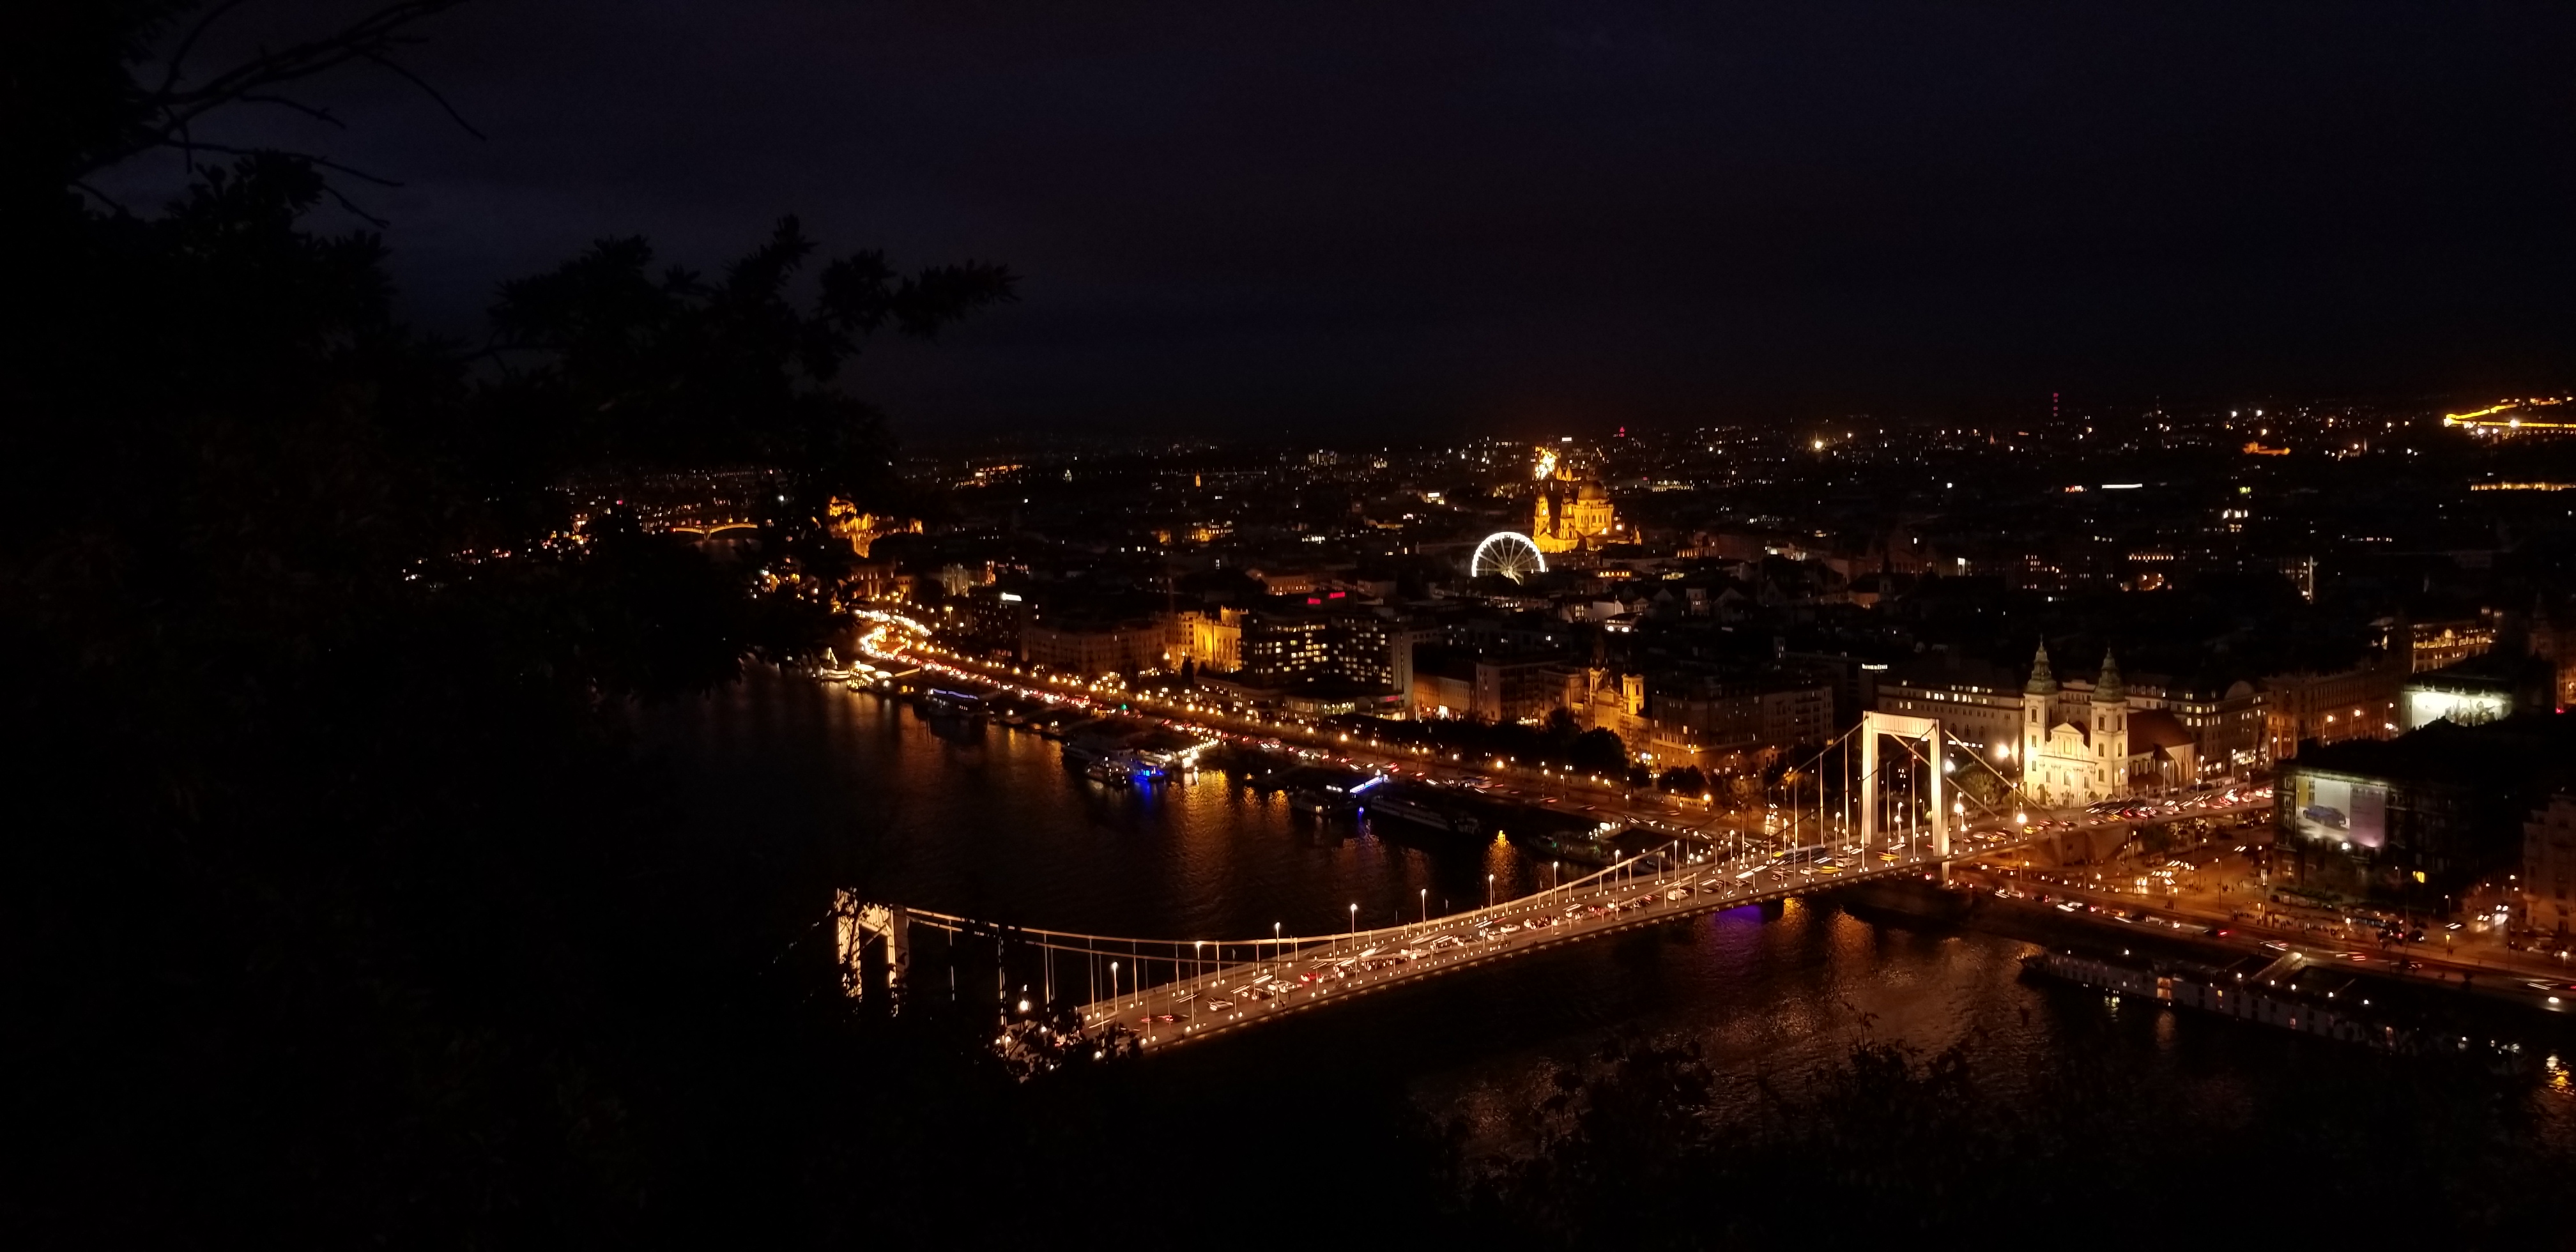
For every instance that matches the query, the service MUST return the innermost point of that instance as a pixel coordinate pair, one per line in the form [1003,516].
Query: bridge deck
[1299,974]
[1314,977]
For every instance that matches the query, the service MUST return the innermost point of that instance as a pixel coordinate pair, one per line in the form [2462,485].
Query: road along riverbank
[2251,977]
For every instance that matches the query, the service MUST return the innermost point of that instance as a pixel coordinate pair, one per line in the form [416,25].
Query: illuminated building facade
[2177,731]
[1283,646]
[860,529]
[1701,722]
[2435,645]
[2557,646]
[2063,763]
[2482,689]
[1089,649]
[1976,707]
[2549,865]
[986,622]
[2357,703]
[1354,650]
[1516,688]
[1209,640]
[1573,509]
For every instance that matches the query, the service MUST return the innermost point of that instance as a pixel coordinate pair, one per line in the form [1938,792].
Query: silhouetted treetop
[317,680]
[606,357]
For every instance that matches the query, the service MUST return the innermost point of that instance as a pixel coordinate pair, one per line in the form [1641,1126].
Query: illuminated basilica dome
[1573,509]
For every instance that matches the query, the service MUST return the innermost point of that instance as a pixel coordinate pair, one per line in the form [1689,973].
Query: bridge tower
[874,946]
[1925,730]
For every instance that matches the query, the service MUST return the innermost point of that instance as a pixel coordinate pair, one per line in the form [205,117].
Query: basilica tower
[2036,696]
[2110,731]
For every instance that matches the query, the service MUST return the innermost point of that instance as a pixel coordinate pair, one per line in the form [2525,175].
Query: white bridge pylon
[1926,730]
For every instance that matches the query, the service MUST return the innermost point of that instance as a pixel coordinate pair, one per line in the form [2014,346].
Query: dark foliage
[608,359]
[2104,1145]
[340,907]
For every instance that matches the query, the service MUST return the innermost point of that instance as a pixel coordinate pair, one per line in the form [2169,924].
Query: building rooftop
[2513,748]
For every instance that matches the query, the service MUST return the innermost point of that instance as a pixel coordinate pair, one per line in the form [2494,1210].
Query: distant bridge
[709,530]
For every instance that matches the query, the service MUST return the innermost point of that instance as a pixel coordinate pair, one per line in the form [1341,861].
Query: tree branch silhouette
[318,162]
[165,115]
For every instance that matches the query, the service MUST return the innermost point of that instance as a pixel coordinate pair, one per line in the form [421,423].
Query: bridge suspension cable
[1077,941]
[1132,960]
[2012,788]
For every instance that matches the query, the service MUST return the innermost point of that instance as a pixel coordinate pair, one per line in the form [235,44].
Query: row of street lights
[1196,986]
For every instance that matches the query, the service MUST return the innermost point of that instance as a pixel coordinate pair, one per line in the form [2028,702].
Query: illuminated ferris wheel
[1508,553]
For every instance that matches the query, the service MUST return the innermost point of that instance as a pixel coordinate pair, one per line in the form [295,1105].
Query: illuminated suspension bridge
[1892,821]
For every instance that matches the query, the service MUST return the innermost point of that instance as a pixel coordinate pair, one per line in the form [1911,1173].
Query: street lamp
[1489,891]
[1426,906]
[1355,927]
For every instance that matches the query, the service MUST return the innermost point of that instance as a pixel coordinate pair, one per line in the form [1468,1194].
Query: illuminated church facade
[2065,764]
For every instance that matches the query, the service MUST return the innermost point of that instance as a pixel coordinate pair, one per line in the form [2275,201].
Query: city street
[2244,922]
[1564,790]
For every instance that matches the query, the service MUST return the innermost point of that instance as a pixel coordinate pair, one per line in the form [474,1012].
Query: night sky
[1423,218]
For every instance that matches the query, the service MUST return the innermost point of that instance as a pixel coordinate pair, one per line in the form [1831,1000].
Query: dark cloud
[1237,216]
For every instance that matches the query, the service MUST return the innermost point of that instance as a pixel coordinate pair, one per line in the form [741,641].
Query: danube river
[986,822]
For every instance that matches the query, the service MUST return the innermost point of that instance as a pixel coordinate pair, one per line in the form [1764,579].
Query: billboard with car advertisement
[2347,810]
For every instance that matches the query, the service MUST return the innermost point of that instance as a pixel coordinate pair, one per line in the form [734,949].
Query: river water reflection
[986,822]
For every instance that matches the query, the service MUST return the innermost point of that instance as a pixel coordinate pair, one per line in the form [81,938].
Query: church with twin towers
[2064,763]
